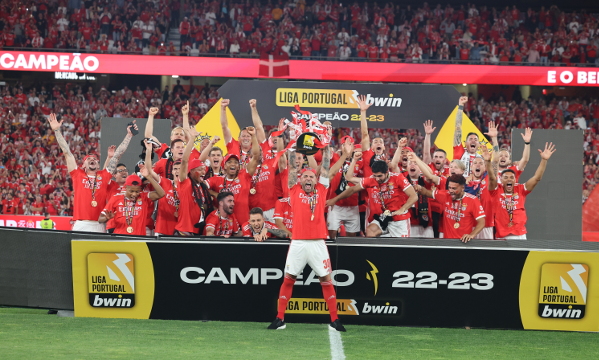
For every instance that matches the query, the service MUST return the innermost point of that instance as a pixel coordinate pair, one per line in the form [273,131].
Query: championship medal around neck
[130,229]
[387,212]
[94,203]
[456,225]
[253,191]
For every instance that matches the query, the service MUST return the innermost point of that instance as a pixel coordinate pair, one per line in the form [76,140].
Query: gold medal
[130,229]
[387,212]
[312,218]
[456,225]
[510,224]
[176,214]
[253,191]
[94,203]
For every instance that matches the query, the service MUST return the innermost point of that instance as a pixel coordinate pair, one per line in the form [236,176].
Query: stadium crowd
[317,29]
[35,173]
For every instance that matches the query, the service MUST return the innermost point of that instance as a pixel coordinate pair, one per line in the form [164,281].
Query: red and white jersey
[367,160]
[114,189]
[513,202]
[263,181]
[222,225]
[233,147]
[337,187]
[517,172]
[249,231]
[137,211]
[392,193]
[83,186]
[443,172]
[168,207]
[283,212]
[468,208]
[240,187]
[308,211]
[460,153]
[481,188]
[190,213]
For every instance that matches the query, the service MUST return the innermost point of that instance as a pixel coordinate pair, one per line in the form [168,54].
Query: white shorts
[149,232]
[89,226]
[417,231]
[311,252]
[269,215]
[514,237]
[399,228]
[485,234]
[349,215]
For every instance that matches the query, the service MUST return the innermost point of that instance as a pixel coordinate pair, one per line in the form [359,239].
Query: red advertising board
[34,221]
[301,69]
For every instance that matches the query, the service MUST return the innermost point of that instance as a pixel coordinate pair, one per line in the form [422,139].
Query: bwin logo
[111,301]
[377,101]
[379,309]
[561,312]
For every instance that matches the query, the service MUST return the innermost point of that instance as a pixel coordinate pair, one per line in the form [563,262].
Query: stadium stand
[319,29]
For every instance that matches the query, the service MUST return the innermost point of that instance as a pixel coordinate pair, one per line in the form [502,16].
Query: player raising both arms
[465,153]
[503,157]
[90,184]
[308,200]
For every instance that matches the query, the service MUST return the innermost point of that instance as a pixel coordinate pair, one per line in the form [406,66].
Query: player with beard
[465,153]
[195,202]
[438,162]
[509,199]
[164,166]
[463,215]
[131,210]
[284,216]
[391,196]
[117,187]
[90,184]
[222,222]
[237,180]
[370,152]
[503,157]
[345,211]
[307,199]
[479,181]
[212,155]
[259,229]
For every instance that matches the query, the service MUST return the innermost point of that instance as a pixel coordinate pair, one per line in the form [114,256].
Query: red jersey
[442,172]
[482,193]
[390,193]
[263,181]
[460,153]
[190,213]
[114,189]
[129,213]
[168,207]
[414,215]
[240,187]
[308,210]
[337,187]
[248,231]
[468,209]
[283,212]
[367,160]
[9,207]
[514,203]
[222,226]
[517,172]
[84,186]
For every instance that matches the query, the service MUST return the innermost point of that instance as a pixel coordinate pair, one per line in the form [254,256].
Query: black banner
[392,106]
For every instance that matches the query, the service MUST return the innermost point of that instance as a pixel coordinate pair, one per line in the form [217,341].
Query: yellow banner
[445,137]
[319,306]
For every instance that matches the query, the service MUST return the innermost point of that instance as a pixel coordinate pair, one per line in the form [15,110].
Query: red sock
[328,290]
[285,295]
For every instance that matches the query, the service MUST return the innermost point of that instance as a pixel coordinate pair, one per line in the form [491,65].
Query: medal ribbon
[226,187]
[221,230]
[93,186]
[175,195]
[382,197]
[510,207]
[459,210]
[312,200]
[128,212]
[256,176]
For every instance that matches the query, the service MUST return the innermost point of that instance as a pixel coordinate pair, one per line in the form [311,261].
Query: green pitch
[32,334]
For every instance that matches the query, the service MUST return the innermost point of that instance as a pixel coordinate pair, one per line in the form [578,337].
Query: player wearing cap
[509,199]
[259,229]
[237,180]
[467,153]
[195,202]
[502,158]
[222,221]
[308,198]
[90,184]
[130,210]
[391,196]
[344,211]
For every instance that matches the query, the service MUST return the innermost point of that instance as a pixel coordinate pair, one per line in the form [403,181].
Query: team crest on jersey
[483,182]
[516,197]
[265,167]
[99,178]
[138,202]
[236,180]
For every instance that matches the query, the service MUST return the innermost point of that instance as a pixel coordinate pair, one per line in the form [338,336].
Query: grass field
[32,334]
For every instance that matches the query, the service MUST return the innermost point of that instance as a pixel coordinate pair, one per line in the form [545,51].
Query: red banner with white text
[300,69]
[34,221]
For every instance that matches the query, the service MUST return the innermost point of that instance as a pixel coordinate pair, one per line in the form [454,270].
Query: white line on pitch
[336,344]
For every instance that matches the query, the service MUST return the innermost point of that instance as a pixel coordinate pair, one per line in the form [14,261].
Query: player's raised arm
[545,155]
[224,123]
[363,123]
[68,155]
[326,165]
[121,149]
[490,172]
[206,152]
[394,165]
[260,135]
[457,136]
[292,176]
[526,152]
[347,148]
[426,145]
[426,171]
[185,160]
[492,133]
[185,113]
[110,155]
[149,130]
[349,174]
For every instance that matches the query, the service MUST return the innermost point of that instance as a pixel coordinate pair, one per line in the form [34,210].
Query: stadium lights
[465,84]
[175,76]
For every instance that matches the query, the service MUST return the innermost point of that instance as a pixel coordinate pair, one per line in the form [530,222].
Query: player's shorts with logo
[349,215]
[311,252]
[399,228]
